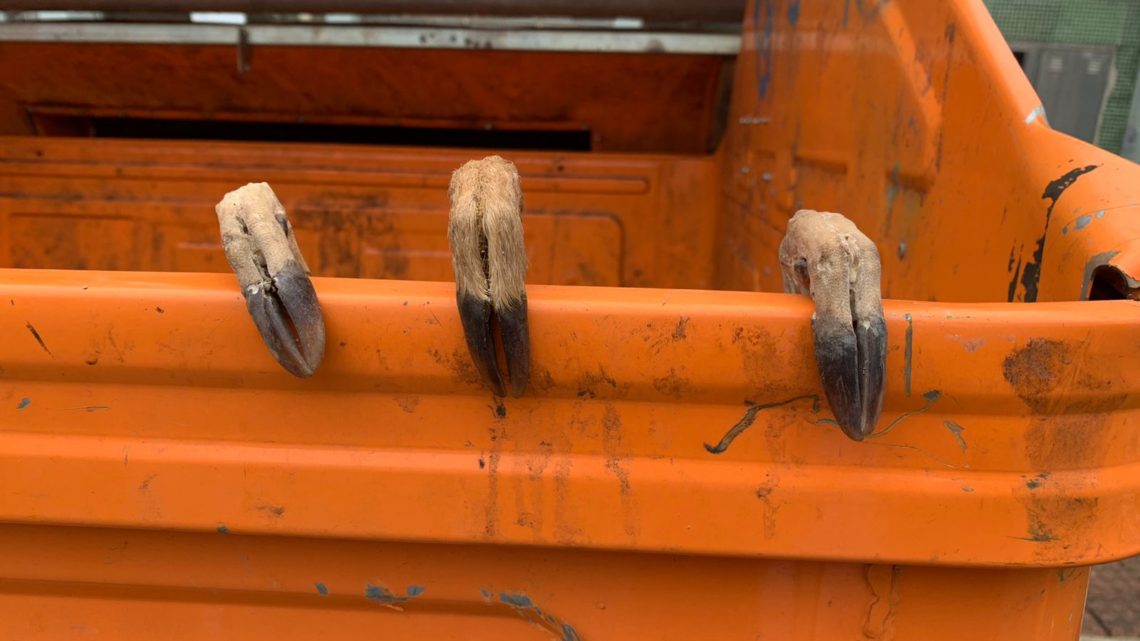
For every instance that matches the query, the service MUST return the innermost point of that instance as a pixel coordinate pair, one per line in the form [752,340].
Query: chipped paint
[1031,276]
[1016,272]
[322,589]
[956,430]
[1035,113]
[222,529]
[794,12]
[24,402]
[516,600]
[384,596]
[750,417]
[908,351]
[967,488]
[525,607]
[1082,221]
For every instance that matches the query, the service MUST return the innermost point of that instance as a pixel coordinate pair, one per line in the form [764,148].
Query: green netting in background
[1113,23]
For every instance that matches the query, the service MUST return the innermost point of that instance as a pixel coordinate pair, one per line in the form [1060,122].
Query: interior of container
[644,169]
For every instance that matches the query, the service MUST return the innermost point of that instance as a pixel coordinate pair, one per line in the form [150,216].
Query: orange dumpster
[673,470]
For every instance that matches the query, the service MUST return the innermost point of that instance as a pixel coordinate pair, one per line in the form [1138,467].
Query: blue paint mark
[1082,222]
[516,600]
[908,351]
[487,595]
[222,529]
[525,607]
[381,594]
[763,45]
[24,402]
[1037,112]
[1065,230]
[322,589]
[794,12]
[1100,214]
[846,12]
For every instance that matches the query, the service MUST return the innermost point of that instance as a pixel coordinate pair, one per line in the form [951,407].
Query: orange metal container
[671,472]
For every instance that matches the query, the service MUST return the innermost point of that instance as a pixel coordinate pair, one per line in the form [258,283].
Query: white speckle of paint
[1100,214]
[1037,112]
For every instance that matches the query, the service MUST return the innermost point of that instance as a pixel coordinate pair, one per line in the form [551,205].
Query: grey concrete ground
[1113,608]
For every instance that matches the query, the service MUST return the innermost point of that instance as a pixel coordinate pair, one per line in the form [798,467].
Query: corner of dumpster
[673,470]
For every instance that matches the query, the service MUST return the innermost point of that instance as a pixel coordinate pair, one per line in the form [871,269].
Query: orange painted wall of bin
[162,478]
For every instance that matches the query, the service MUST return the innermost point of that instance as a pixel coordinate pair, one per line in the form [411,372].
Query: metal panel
[1073,84]
[377,36]
[657,9]
[1131,148]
